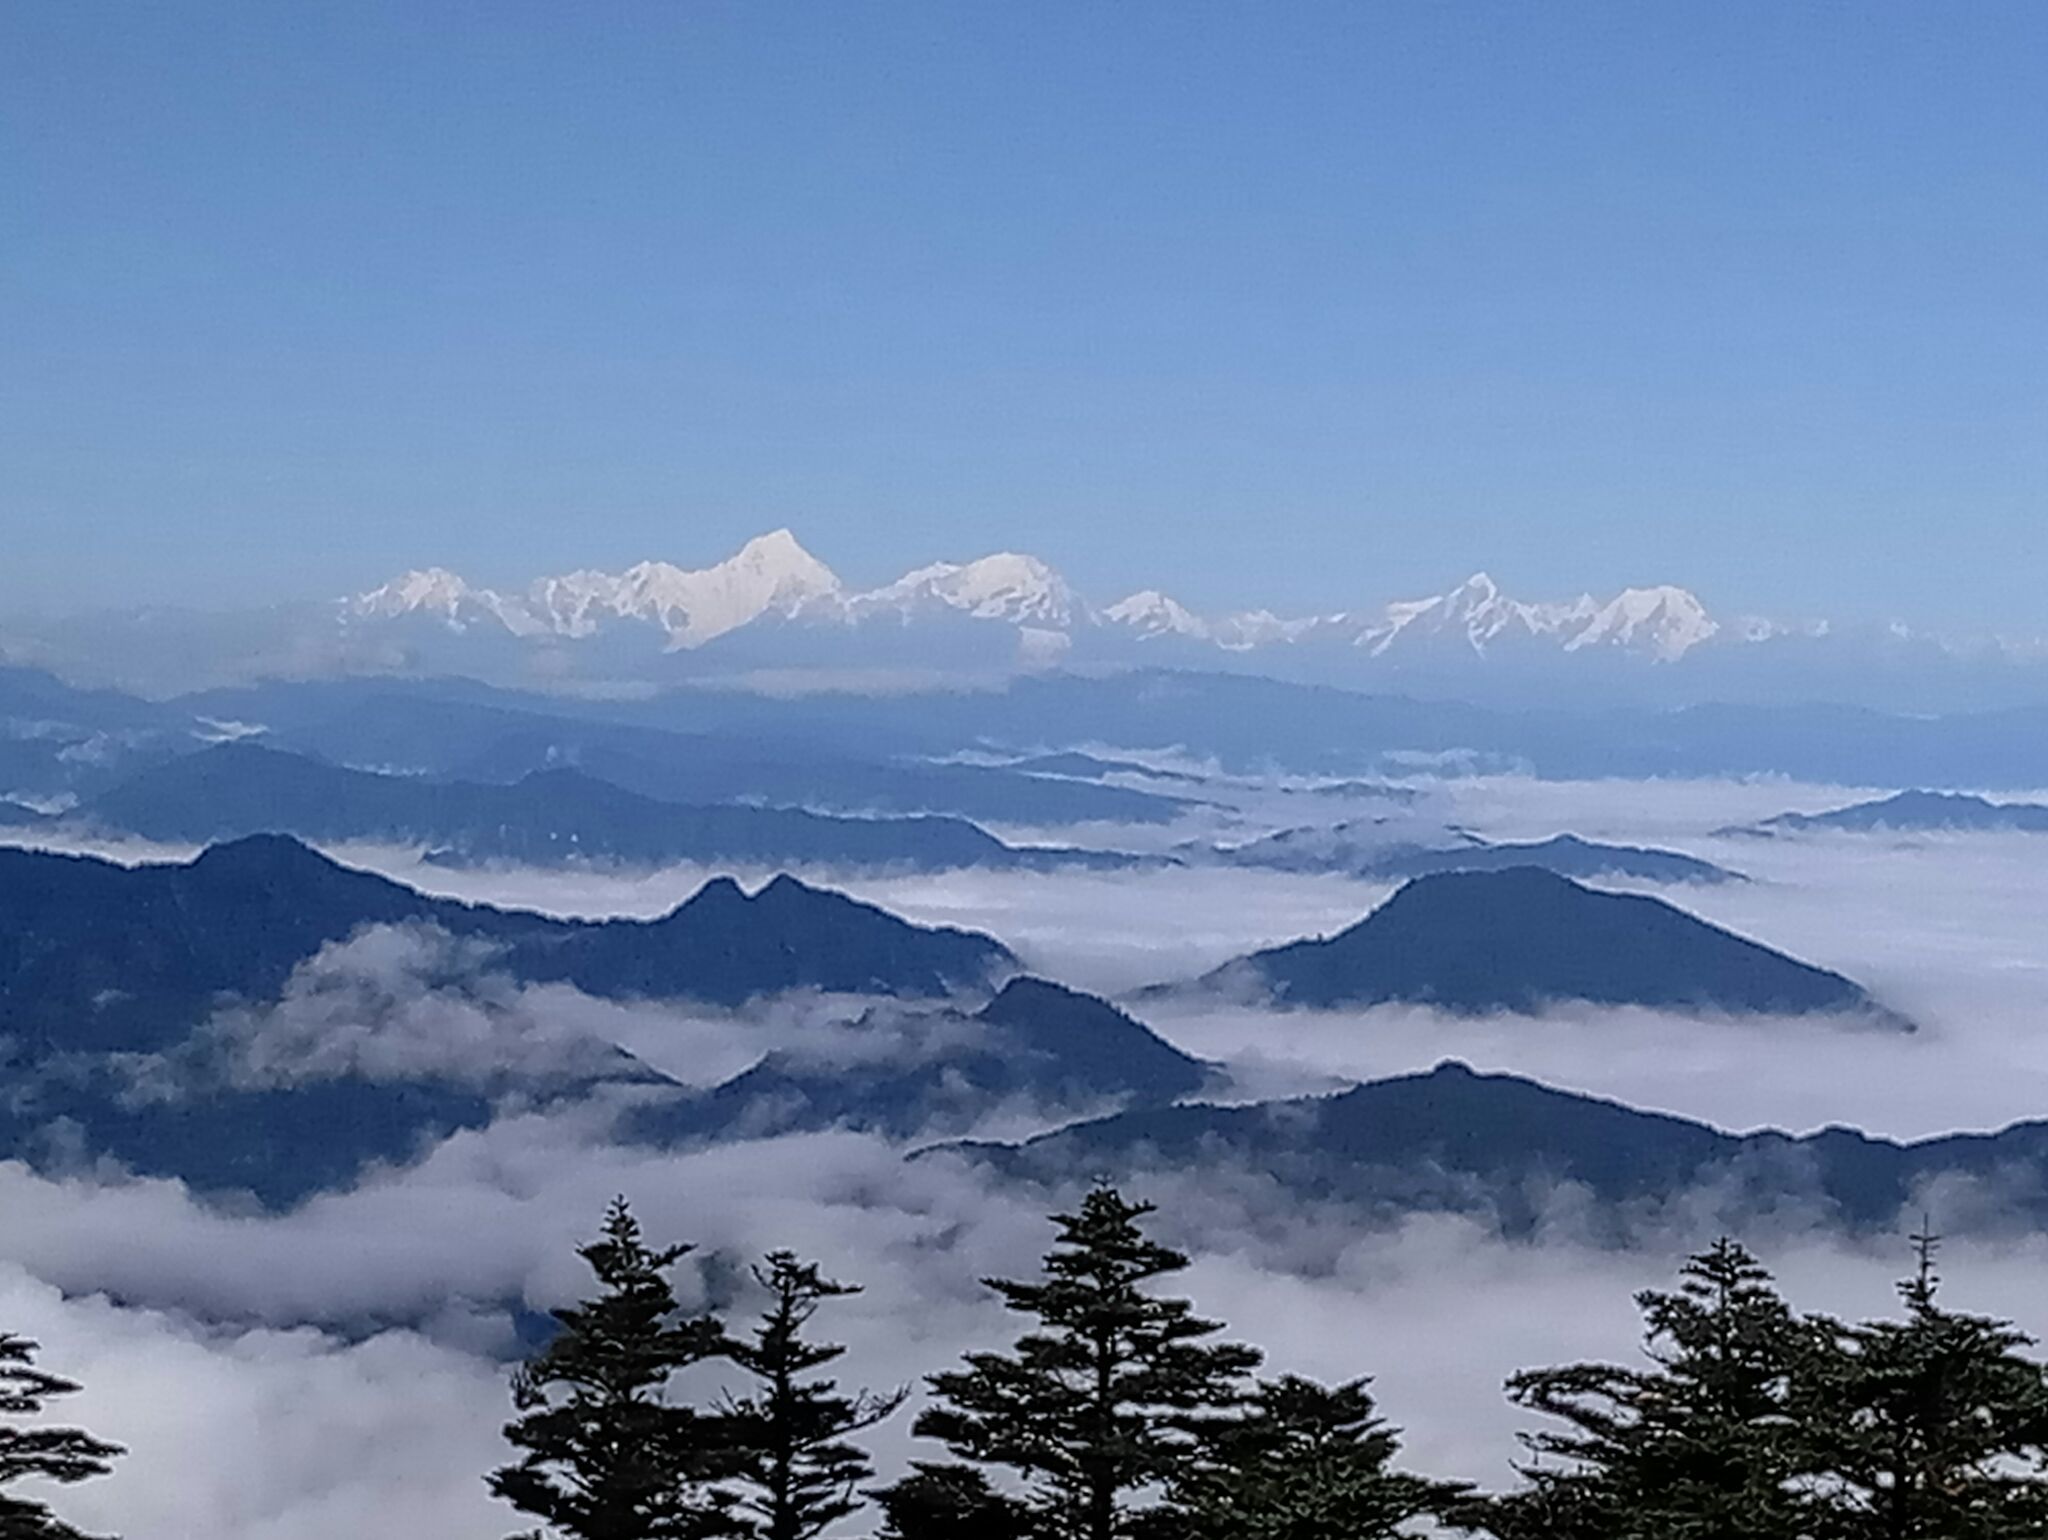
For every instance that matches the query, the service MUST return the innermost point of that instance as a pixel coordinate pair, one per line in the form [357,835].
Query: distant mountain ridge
[1015,610]
[1523,940]
[773,615]
[930,752]
[97,957]
[721,751]
[1036,1043]
[1566,855]
[1502,1149]
[1908,811]
[1366,851]
[547,817]
[773,578]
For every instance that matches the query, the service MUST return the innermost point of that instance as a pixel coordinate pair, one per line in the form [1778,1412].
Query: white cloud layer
[334,1370]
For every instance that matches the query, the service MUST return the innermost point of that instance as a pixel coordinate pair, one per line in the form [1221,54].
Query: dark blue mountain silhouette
[98,957]
[1036,1043]
[1566,855]
[710,748]
[1501,1148]
[549,817]
[1364,850]
[1522,939]
[1933,811]
[107,970]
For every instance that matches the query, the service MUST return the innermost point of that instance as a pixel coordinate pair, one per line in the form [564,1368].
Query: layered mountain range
[773,606]
[99,957]
[1516,1154]
[774,614]
[548,817]
[263,1019]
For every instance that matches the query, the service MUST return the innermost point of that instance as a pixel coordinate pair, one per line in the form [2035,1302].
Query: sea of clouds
[341,1369]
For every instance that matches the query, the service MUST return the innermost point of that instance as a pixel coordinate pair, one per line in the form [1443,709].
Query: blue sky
[1293,304]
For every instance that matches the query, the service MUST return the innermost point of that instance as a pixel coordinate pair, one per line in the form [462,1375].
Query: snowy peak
[1475,613]
[1149,613]
[772,577]
[771,574]
[1247,630]
[1006,586]
[441,595]
[1479,594]
[789,573]
[1664,623]
[1667,622]
[426,590]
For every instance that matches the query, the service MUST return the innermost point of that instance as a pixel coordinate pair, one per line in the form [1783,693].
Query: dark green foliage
[797,1470]
[1757,1423]
[63,1455]
[950,1502]
[606,1456]
[1305,1462]
[1102,1401]
[1930,1428]
[1703,1444]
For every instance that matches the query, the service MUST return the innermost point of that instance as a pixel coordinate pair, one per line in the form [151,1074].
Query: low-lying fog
[336,1371]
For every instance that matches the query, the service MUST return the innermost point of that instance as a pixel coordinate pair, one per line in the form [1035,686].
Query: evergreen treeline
[1118,1413]
[38,1451]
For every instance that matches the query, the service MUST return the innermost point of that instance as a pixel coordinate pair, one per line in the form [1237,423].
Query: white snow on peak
[770,575]
[443,595]
[1150,613]
[1478,592]
[1663,622]
[573,603]
[773,576]
[1476,612]
[1005,586]
[1667,622]
[1246,630]
[1764,628]
[435,590]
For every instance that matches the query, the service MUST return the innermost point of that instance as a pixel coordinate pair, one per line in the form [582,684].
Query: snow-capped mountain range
[774,579]
[774,618]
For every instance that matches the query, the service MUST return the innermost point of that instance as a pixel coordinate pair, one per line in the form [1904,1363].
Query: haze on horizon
[1310,310]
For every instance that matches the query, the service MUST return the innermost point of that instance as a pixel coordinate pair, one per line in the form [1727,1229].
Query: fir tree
[1702,1446]
[950,1502]
[63,1455]
[607,1457]
[1931,1428]
[1099,1402]
[799,1472]
[1306,1462]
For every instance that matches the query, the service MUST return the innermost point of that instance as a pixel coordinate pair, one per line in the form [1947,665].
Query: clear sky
[1281,303]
